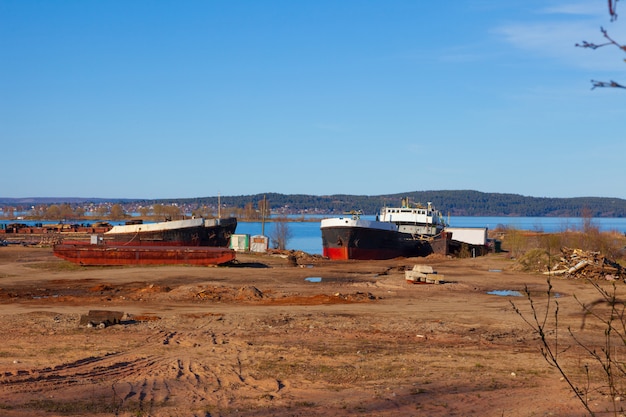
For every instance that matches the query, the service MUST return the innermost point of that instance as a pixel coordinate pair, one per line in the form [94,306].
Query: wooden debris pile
[296,257]
[578,264]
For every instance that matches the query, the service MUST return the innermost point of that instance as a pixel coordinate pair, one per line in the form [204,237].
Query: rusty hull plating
[102,255]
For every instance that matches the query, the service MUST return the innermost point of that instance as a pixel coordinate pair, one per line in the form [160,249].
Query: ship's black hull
[369,243]
[217,234]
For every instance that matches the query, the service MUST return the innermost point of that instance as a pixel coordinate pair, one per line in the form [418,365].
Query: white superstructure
[416,220]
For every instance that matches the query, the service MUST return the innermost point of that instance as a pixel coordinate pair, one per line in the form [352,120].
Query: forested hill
[454,203]
[450,202]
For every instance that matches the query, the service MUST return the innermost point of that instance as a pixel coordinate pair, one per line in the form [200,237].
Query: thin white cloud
[557,40]
[551,33]
[544,37]
[578,9]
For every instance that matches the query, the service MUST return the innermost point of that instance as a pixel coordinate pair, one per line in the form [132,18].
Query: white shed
[469,235]
[240,242]
[259,243]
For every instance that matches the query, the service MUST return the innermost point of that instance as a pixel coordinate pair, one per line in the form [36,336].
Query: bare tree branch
[550,345]
[590,45]
[613,9]
[606,84]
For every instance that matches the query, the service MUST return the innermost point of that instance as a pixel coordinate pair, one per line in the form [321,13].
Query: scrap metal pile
[579,264]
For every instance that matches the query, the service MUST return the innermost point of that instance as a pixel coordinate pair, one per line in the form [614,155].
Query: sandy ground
[258,339]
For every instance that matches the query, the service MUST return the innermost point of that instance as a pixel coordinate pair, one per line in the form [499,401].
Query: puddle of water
[505,293]
[513,293]
[43,297]
[495,270]
[313,279]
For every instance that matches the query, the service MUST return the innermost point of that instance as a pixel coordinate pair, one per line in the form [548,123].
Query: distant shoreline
[452,202]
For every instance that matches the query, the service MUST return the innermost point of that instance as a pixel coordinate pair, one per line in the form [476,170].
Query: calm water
[306,236]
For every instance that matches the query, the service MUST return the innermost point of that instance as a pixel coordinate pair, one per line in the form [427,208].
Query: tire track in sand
[155,376]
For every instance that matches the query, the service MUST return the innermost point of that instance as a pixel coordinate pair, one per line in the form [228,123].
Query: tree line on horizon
[449,202]
[454,203]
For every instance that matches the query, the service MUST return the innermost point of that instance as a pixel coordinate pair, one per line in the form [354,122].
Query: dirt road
[258,339]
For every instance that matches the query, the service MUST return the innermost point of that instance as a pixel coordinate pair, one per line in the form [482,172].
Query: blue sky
[171,99]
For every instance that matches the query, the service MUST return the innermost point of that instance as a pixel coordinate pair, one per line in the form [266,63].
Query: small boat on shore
[397,232]
[104,254]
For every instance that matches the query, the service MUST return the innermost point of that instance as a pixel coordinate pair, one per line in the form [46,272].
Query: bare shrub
[515,241]
[281,234]
[599,369]
[611,244]
[552,242]
[600,344]
[534,260]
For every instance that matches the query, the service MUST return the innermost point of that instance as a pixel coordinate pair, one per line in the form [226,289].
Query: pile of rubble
[577,263]
[101,318]
[296,257]
[423,274]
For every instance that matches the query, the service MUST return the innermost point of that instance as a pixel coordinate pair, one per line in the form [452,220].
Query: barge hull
[103,255]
